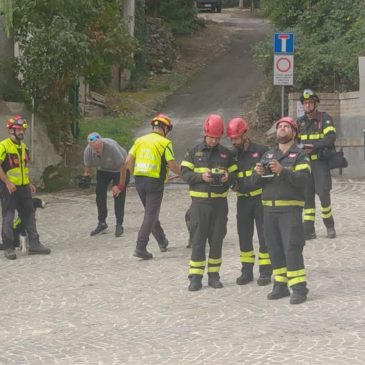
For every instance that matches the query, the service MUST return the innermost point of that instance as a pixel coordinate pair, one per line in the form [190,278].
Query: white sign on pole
[283,69]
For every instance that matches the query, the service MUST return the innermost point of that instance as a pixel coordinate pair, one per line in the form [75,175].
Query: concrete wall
[348,112]
[43,151]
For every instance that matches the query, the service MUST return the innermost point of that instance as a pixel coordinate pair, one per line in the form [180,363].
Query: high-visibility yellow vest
[148,152]
[15,159]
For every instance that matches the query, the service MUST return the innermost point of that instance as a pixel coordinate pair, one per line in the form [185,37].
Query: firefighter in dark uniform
[249,206]
[317,136]
[208,169]
[283,173]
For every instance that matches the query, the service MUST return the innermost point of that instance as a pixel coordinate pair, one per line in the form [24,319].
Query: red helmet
[288,120]
[214,126]
[16,122]
[162,120]
[236,127]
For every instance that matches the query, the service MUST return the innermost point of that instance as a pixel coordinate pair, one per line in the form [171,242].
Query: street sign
[283,69]
[283,43]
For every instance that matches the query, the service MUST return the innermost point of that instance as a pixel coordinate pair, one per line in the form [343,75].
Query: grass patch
[120,129]
[133,108]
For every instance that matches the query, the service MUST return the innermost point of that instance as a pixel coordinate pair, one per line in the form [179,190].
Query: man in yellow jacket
[16,189]
[149,160]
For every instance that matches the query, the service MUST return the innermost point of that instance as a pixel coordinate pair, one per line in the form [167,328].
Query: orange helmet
[162,120]
[236,127]
[288,120]
[214,126]
[16,122]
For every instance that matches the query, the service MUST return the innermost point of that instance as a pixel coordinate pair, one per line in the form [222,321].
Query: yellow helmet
[162,120]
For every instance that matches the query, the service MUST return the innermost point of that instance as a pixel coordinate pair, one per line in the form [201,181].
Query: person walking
[16,189]
[150,159]
[209,169]
[283,173]
[249,207]
[317,135]
[109,159]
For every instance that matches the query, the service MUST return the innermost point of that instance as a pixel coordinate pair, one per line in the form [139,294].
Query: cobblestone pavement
[92,302]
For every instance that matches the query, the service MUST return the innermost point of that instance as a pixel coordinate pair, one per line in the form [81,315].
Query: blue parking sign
[283,43]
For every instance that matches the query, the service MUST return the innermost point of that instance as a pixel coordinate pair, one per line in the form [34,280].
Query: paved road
[223,85]
[92,302]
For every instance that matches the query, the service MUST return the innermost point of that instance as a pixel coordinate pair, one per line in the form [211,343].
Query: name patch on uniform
[292,155]
[255,154]
[198,154]
[223,155]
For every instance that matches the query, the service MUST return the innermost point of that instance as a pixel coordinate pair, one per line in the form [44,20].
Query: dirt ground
[198,49]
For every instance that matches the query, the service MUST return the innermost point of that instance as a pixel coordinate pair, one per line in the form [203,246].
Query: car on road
[209,4]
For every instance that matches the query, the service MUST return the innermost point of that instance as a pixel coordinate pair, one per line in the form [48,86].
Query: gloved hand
[84,182]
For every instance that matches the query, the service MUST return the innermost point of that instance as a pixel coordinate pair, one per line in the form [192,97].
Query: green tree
[62,40]
[6,9]
[329,35]
[180,14]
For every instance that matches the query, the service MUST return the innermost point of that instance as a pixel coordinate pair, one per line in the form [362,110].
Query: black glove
[84,182]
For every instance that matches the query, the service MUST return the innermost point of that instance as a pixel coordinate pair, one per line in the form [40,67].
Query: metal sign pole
[32,134]
[283,46]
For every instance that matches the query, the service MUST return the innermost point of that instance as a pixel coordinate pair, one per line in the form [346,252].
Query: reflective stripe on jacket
[287,188]
[318,131]
[15,159]
[202,159]
[246,163]
[151,153]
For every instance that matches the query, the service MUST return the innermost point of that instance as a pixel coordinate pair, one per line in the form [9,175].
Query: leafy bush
[329,36]
[180,14]
[63,40]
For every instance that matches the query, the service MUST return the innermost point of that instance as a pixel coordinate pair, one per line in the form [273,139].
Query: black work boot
[195,282]
[38,249]
[299,296]
[119,230]
[331,232]
[213,280]
[100,228]
[279,290]
[10,254]
[310,236]
[245,278]
[264,279]
[142,253]
[163,244]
